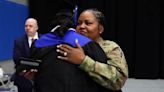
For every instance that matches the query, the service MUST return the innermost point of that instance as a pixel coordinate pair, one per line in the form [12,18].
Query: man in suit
[22,49]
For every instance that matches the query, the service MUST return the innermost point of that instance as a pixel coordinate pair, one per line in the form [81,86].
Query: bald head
[31,27]
[32,20]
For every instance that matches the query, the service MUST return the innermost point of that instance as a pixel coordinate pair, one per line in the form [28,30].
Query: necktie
[32,48]
[32,39]
[32,42]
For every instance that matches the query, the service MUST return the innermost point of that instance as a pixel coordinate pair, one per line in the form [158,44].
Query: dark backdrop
[136,25]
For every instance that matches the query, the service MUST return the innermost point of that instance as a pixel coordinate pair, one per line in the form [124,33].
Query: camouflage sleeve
[111,75]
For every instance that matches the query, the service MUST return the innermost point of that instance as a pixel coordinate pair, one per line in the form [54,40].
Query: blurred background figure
[22,49]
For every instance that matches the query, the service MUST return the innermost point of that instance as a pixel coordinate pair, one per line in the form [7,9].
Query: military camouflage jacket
[111,75]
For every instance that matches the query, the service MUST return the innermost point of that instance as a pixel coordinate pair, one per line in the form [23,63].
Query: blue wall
[12,18]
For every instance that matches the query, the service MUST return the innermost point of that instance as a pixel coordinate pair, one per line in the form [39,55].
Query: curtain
[136,25]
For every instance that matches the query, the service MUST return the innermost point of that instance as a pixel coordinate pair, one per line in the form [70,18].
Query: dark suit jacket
[21,49]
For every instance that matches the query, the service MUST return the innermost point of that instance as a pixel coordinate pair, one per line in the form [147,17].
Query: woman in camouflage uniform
[113,74]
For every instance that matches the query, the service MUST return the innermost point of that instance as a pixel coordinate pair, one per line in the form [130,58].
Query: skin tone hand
[71,54]
[29,74]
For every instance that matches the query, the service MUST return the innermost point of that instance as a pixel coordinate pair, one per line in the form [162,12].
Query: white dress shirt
[30,39]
